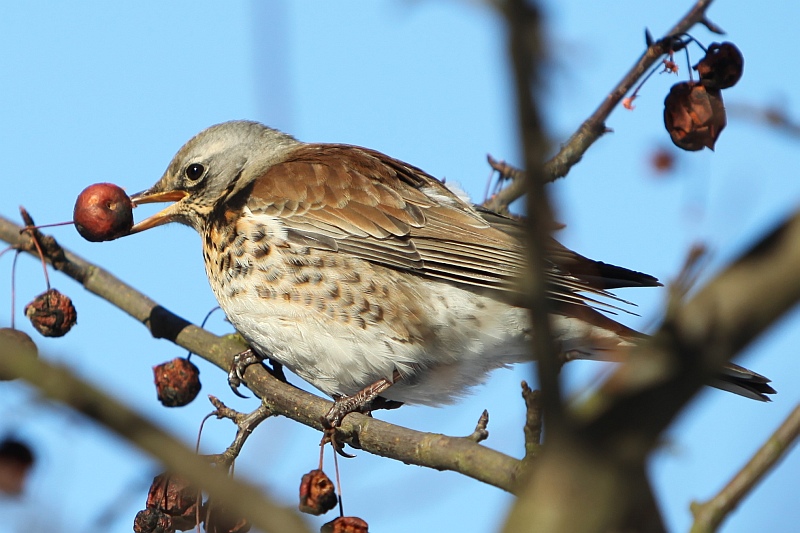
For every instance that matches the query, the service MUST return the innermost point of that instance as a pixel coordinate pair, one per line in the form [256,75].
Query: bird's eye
[194,171]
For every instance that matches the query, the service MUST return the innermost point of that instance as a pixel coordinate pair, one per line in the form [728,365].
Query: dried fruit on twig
[52,313]
[103,212]
[174,496]
[220,520]
[317,493]
[16,460]
[722,66]
[345,524]
[152,521]
[694,115]
[20,341]
[177,382]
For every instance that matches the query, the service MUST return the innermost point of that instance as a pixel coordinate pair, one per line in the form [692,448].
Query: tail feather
[602,340]
[744,382]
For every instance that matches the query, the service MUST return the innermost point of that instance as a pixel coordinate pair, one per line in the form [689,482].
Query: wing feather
[366,204]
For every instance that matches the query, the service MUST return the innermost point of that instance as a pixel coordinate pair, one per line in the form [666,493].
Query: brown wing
[364,203]
[597,274]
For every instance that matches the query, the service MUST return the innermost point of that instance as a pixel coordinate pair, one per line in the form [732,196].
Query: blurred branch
[646,393]
[599,467]
[526,51]
[569,473]
[772,116]
[596,461]
[709,515]
[441,452]
[697,338]
[594,127]
[59,384]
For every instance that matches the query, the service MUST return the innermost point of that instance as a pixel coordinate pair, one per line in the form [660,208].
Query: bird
[371,279]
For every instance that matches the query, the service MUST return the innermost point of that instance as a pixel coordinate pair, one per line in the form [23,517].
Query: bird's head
[213,166]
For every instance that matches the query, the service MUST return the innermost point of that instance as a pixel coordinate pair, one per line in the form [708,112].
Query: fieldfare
[364,275]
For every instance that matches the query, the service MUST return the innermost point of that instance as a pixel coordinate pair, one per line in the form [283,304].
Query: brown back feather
[390,213]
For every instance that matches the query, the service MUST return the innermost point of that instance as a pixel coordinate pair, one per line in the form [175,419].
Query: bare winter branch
[413,447]
[708,516]
[594,127]
[61,385]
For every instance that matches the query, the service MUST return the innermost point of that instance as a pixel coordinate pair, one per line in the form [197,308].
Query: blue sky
[102,91]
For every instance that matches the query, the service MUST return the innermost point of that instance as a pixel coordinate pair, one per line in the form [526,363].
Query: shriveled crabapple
[52,313]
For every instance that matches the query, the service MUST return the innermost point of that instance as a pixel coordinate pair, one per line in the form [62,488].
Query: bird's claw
[329,435]
[238,367]
[364,401]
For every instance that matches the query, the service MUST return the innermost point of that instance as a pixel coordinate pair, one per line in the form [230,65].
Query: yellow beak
[163,216]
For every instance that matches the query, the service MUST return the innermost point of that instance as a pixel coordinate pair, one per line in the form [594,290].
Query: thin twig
[709,515]
[30,227]
[533,421]
[773,116]
[14,289]
[594,127]
[245,424]
[480,433]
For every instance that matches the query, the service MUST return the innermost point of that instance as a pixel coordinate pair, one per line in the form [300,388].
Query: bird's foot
[364,401]
[243,360]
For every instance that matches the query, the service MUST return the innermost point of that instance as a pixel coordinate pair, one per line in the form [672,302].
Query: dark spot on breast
[262,251]
[298,259]
[271,272]
[233,292]
[267,293]
[258,234]
[224,262]
[241,268]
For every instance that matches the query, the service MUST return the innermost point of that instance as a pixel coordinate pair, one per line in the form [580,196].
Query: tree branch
[599,466]
[709,515]
[645,394]
[61,385]
[526,52]
[594,127]
[441,452]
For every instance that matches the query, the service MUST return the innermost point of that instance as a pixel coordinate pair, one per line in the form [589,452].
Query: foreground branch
[698,337]
[604,459]
[61,385]
[596,462]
